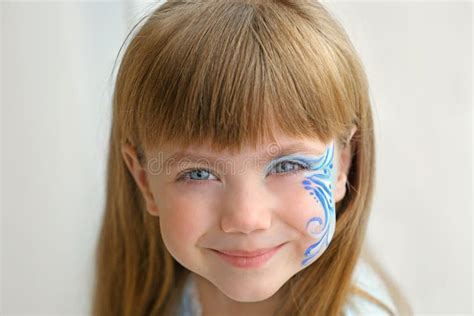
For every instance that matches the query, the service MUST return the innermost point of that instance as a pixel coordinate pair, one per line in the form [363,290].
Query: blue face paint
[319,183]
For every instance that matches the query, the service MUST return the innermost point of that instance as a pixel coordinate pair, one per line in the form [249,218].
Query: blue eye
[196,175]
[288,167]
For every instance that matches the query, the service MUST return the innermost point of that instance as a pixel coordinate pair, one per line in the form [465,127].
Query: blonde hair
[232,72]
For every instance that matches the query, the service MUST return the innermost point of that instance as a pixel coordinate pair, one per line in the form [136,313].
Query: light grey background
[56,62]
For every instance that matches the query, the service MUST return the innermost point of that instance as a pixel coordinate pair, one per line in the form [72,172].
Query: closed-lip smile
[244,253]
[248,259]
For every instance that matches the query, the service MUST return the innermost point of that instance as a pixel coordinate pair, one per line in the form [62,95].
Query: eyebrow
[266,155]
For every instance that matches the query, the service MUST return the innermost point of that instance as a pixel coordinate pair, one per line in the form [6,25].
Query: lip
[245,259]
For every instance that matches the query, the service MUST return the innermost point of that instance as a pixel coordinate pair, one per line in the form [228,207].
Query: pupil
[200,174]
[286,166]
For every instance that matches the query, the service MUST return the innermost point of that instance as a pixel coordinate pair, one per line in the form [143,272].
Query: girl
[241,167]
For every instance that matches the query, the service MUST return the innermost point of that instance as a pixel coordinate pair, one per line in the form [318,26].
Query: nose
[248,207]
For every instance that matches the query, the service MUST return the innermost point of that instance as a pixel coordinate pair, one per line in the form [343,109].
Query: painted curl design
[319,184]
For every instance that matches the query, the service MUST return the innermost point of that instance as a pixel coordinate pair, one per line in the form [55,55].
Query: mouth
[248,259]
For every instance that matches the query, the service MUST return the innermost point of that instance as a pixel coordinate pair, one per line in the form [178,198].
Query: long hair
[232,72]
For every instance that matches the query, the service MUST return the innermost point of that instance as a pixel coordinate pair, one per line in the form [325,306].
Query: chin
[247,293]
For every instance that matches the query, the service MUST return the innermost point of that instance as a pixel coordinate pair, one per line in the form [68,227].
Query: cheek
[308,207]
[183,220]
[297,205]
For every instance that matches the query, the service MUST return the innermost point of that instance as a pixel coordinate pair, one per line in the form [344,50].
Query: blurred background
[56,84]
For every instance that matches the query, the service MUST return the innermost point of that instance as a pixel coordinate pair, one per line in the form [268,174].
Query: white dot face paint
[320,183]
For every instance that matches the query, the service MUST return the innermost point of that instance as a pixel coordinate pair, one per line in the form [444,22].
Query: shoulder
[366,279]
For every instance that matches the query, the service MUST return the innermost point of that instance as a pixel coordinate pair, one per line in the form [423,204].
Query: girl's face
[280,197]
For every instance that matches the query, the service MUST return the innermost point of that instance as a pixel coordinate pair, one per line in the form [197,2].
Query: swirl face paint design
[319,183]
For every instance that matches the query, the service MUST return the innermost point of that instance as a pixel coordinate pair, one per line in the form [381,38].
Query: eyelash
[183,177]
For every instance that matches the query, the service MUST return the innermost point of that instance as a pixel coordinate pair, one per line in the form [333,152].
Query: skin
[245,203]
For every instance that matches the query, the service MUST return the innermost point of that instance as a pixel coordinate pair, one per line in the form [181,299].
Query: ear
[344,164]
[140,176]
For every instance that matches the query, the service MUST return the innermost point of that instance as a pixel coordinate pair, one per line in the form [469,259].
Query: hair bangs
[231,78]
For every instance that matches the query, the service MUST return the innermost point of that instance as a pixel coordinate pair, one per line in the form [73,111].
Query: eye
[289,167]
[198,175]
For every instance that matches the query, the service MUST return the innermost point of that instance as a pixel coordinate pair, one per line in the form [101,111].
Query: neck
[214,302]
